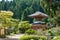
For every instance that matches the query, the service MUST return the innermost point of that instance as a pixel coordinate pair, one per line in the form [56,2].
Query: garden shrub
[23,26]
[53,31]
[56,38]
[33,37]
[43,38]
[31,31]
[29,37]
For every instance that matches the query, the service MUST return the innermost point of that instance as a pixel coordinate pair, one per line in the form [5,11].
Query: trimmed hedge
[29,37]
[30,31]
[23,26]
[33,37]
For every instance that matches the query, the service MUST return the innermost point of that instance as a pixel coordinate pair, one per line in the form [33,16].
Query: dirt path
[8,39]
[14,37]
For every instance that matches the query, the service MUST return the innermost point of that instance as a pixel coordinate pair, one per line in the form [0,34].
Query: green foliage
[5,17]
[56,38]
[29,37]
[51,8]
[43,38]
[21,8]
[53,31]
[24,25]
[6,14]
[7,22]
[31,31]
[33,37]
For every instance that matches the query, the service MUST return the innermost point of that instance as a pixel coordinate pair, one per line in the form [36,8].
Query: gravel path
[14,37]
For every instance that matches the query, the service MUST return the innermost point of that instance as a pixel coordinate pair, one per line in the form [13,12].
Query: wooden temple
[38,24]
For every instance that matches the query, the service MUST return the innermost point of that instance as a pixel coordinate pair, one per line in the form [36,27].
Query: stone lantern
[38,24]
[2,31]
